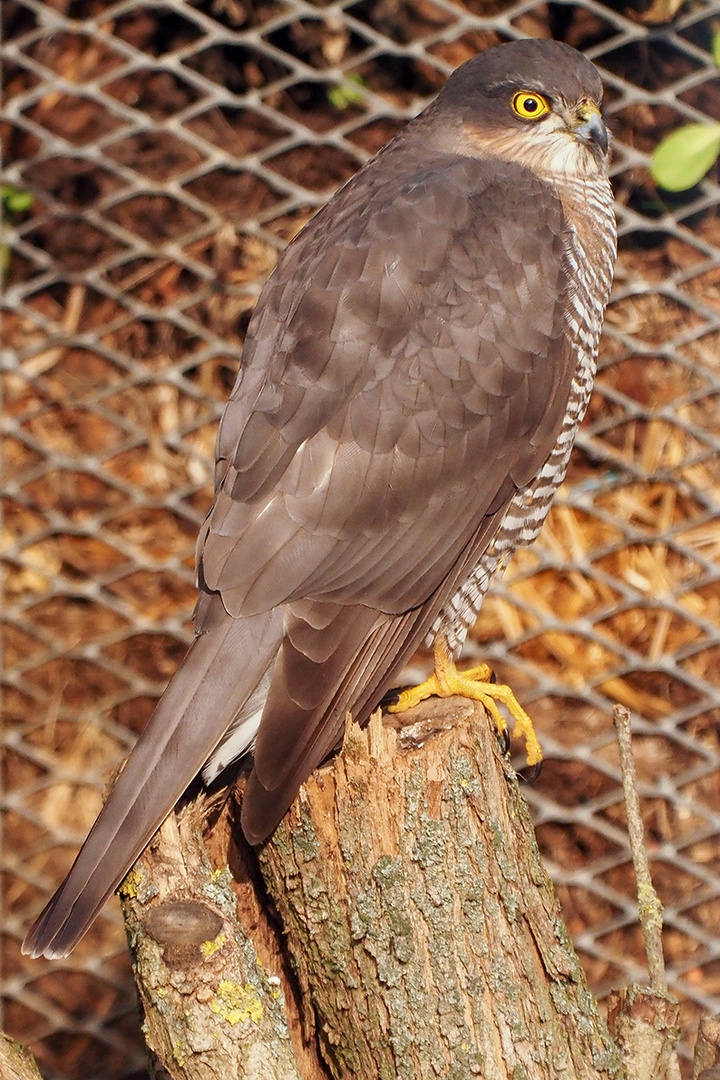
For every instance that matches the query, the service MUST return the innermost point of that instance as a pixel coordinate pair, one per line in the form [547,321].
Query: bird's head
[534,102]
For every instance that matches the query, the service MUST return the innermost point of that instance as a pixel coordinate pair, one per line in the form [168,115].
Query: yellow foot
[475,683]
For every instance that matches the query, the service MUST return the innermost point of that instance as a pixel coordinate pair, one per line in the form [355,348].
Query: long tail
[217,676]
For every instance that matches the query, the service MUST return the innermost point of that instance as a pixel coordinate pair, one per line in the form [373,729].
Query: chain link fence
[157,156]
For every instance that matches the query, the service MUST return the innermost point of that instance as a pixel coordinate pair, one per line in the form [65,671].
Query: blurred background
[156,159]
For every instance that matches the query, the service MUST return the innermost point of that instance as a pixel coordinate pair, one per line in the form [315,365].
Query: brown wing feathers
[314,653]
[503,400]
[200,703]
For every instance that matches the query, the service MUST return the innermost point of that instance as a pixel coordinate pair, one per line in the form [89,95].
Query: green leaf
[682,158]
[14,200]
[347,93]
[716,48]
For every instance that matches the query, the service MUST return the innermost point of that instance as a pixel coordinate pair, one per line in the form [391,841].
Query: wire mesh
[171,150]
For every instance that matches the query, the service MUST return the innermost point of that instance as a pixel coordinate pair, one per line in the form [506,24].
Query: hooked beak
[591,130]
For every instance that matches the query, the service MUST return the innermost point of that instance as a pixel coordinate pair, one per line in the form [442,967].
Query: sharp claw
[532,775]
[492,677]
[391,697]
[504,737]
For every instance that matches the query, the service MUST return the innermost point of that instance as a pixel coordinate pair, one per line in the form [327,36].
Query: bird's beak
[591,128]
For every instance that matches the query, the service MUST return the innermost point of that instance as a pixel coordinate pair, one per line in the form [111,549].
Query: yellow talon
[447,681]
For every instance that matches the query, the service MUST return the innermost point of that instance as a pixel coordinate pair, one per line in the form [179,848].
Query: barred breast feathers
[591,257]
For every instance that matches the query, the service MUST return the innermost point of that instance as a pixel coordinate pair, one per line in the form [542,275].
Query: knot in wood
[182,922]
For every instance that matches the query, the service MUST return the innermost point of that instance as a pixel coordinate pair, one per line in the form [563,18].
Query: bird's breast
[591,258]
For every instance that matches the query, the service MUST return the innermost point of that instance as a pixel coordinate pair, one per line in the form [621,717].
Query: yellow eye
[529,106]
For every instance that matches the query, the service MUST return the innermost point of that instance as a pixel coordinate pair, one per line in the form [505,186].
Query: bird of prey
[411,384]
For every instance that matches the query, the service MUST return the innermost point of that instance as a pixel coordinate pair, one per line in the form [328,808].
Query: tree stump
[419,935]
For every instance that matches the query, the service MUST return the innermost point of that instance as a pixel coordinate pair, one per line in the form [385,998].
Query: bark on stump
[212,1009]
[16,1063]
[423,931]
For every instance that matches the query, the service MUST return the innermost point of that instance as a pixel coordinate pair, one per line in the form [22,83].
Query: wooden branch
[643,1019]
[650,910]
[424,930]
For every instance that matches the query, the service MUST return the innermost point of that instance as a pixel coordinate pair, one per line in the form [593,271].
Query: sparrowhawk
[411,384]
